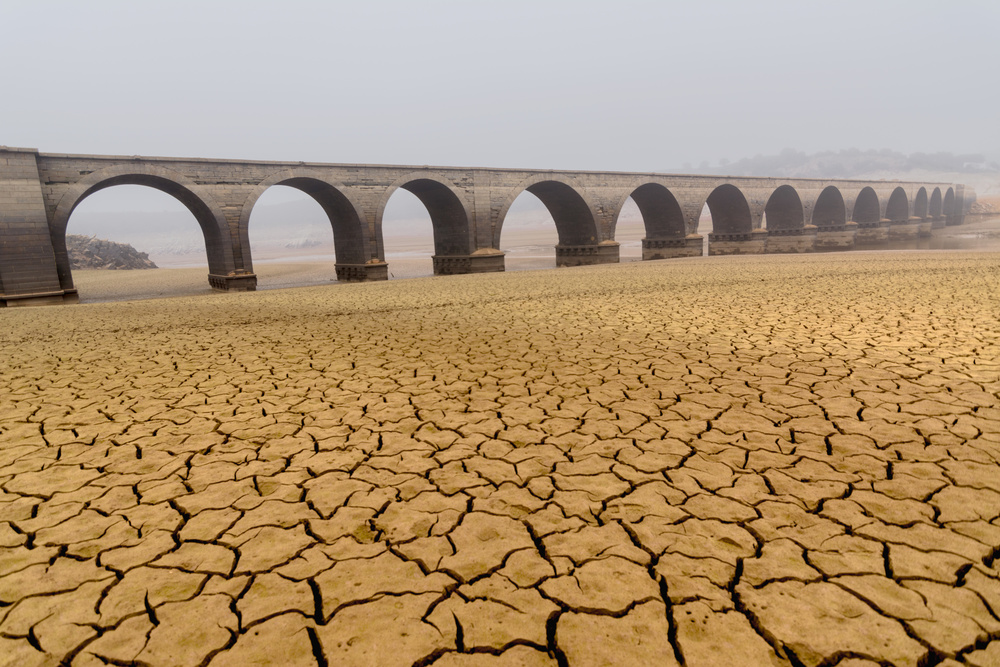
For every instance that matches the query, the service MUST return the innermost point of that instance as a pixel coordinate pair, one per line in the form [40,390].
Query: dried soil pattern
[753,461]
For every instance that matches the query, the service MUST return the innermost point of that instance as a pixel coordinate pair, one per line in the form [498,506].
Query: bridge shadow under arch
[661,213]
[830,210]
[898,208]
[730,211]
[867,209]
[949,203]
[783,211]
[935,205]
[920,203]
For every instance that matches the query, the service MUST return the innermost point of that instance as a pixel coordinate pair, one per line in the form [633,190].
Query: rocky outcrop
[88,252]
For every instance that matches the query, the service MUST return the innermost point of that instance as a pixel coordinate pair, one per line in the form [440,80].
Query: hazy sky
[614,85]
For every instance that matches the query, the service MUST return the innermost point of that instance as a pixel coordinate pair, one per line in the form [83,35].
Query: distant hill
[88,252]
[852,163]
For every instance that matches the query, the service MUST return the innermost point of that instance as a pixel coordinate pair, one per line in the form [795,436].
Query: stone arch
[867,209]
[449,212]
[783,210]
[898,207]
[567,203]
[351,235]
[218,242]
[661,213]
[949,202]
[730,211]
[830,209]
[934,207]
[920,203]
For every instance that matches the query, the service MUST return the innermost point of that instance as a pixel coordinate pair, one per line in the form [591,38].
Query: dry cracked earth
[721,461]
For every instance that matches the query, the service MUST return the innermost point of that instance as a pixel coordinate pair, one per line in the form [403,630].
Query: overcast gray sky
[574,84]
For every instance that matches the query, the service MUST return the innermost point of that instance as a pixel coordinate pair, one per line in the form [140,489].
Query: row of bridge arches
[581,218]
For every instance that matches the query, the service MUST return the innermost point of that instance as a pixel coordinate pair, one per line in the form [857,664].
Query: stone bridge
[467,206]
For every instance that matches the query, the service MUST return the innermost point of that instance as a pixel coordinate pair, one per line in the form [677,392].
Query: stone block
[752,243]
[837,237]
[872,233]
[28,272]
[235,281]
[583,255]
[362,272]
[903,230]
[489,261]
[791,240]
[689,246]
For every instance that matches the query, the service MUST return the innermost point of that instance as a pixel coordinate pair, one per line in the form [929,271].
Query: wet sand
[767,460]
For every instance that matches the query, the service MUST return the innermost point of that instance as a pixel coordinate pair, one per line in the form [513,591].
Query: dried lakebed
[750,460]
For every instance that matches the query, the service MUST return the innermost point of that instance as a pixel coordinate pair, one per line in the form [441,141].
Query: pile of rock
[90,252]
[980,207]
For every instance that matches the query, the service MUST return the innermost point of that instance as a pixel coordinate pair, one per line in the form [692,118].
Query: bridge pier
[872,233]
[605,252]
[691,245]
[234,281]
[938,222]
[836,237]
[357,273]
[802,239]
[902,230]
[924,227]
[484,260]
[749,243]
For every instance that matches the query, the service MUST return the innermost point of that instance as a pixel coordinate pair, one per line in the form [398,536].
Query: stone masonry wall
[38,192]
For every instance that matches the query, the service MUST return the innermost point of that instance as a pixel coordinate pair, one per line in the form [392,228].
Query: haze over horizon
[629,86]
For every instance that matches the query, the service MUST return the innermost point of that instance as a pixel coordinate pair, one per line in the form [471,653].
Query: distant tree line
[847,163]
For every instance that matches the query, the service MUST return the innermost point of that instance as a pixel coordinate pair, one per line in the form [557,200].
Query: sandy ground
[740,460]
[410,257]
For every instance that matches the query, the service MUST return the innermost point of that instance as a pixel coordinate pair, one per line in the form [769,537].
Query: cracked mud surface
[753,461]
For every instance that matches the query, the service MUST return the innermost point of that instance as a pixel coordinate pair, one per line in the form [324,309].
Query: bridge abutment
[691,245]
[28,272]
